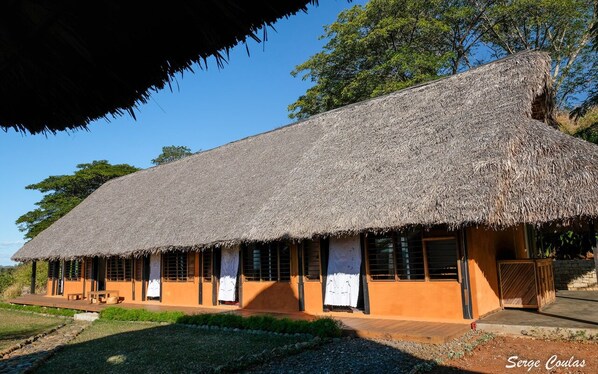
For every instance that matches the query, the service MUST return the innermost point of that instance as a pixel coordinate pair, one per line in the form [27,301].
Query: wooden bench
[96,294]
[75,296]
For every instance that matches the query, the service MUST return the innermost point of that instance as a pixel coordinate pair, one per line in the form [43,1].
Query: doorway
[99,267]
[343,265]
[228,289]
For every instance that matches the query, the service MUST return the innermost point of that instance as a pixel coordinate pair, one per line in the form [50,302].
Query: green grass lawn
[135,347]
[16,326]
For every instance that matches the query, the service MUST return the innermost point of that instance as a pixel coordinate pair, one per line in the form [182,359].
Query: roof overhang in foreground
[66,63]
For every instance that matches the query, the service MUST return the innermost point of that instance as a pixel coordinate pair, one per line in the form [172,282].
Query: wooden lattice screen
[545,279]
[526,283]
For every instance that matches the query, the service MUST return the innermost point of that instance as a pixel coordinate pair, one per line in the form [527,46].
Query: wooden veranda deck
[359,326]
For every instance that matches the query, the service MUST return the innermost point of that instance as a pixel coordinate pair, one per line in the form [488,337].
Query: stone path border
[30,356]
[29,340]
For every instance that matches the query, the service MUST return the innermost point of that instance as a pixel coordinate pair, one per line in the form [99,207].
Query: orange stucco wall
[206,293]
[124,288]
[312,294]
[180,293]
[73,287]
[275,296]
[138,291]
[485,247]
[426,300]
[49,287]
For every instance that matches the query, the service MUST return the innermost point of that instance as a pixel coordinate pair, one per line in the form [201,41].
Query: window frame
[138,269]
[393,237]
[127,271]
[203,266]
[73,270]
[457,253]
[53,271]
[424,240]
[277,263]
[189,267]
[305,263]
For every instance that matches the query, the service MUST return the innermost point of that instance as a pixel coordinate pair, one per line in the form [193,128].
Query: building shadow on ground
[184,349]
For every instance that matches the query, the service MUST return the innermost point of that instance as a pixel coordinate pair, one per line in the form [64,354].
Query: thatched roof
[463,150]
[66,63]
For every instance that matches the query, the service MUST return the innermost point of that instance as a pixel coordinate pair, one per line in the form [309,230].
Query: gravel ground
[348,355]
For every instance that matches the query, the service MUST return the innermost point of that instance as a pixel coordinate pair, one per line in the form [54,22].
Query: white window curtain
[153,288]
[344,264]
[229,267]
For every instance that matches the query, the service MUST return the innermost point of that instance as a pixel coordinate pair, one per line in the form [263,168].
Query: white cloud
[13,243]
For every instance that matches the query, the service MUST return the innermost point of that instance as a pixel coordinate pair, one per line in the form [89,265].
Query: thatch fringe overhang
[66,63]
[464,150]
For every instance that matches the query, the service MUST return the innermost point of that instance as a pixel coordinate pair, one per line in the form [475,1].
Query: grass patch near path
[113,313]
[39,309]
[322,327]
[133,347]
[16,326]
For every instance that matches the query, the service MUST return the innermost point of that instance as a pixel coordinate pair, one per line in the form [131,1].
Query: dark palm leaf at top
[66,63]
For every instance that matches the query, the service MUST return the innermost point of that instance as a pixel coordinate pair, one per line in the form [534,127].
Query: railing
[526,283]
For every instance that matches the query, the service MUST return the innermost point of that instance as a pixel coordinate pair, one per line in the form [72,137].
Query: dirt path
[526,355]
[27,356]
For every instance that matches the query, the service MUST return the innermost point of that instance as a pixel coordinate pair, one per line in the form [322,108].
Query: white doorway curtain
[229,267]
[153,287]
[344,265]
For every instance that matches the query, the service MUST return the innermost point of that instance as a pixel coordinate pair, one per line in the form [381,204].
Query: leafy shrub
[323,327]
[326,327]
[121,314]
[13,280]
[40,309]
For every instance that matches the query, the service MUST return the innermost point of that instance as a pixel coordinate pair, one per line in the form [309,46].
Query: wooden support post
[161,274]
[300,266]
[62,270]
[465,282]
[33,274]
[94,274]
[200,257]
[240,277]
[215,274]
[364,276]
[144,276]
[324,243]
[594,246]
[134,273]
[83,270]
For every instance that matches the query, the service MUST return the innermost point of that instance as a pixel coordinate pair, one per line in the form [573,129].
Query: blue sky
[209,108]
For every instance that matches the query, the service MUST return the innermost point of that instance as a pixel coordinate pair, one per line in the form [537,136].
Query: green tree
[64,192]
[560,27]
[372,50]
[592,100]
[172,153]
[387,45]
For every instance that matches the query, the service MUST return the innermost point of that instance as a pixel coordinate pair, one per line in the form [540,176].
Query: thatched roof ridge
[465,150]
[66,63]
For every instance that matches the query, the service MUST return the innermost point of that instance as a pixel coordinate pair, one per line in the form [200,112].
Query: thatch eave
[64,64]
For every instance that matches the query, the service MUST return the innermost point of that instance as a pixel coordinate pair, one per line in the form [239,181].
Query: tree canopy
[64,192]
[387,45]
[172,153]
[592,99]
